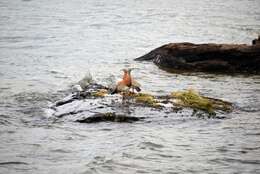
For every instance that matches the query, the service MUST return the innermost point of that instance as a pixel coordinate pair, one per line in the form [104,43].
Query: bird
[123,85]
[127,83]
[134,84]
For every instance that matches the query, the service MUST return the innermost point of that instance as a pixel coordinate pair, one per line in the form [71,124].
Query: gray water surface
[47,46]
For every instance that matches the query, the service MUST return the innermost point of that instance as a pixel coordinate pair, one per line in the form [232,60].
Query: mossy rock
[218,104]
[146,99]
[193,99]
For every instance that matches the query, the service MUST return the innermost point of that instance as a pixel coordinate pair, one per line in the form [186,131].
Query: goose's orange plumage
[124,84]
[126,78]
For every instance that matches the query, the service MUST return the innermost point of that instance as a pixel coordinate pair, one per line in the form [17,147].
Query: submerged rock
[111,117]
[215,58]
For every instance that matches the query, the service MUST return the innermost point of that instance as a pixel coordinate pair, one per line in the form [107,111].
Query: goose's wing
[122,87]
[136,85]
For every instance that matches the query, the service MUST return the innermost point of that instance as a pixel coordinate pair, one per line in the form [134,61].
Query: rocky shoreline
[213,58]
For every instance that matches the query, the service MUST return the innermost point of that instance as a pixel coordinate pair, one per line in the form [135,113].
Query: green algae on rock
[191,98]
[145,98]
[100,93]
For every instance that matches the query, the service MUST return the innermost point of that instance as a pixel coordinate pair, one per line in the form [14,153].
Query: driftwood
[215,58]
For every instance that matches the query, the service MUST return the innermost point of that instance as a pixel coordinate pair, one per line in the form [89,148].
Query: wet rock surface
[214,58]
[112,117]
[94,104]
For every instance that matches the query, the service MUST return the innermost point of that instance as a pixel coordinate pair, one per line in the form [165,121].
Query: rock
[109,117]
[94,104]
[256,42]
[215,58]
[90,91]
[191,98]
[76,88]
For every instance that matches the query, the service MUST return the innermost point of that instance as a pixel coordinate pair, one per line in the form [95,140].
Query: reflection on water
[46,47]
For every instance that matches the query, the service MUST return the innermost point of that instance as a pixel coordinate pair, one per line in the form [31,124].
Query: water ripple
[46,46]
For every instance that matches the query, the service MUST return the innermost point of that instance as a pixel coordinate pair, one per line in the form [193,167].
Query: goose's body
[123,84]
[127,83]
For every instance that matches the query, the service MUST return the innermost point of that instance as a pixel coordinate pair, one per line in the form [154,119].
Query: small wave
[2,89]
[16,39]
[54,72]
[98,25]
[33,97]
[152,145]
[106,129]
[11,39]
[4,122]
[101,164]
[168,156]
[254,134]
[61,151]
[252,148]
[61,77]
[233,160]
[13,163]
[250,109]
[242,161]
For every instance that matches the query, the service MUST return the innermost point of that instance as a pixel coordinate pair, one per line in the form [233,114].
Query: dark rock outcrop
[215,58]
[256,42]
[109,117]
